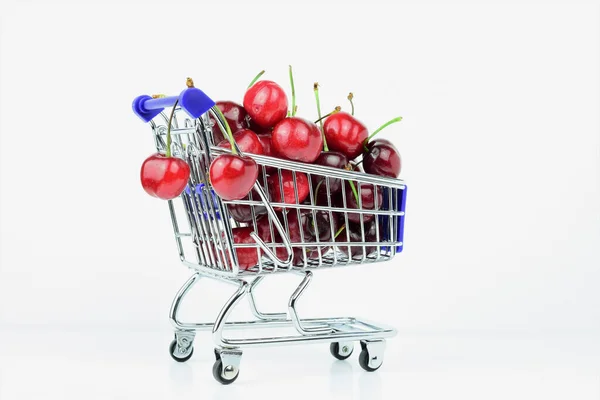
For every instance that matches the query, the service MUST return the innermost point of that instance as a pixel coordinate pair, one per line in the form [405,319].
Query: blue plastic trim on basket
[192,100]
[198,196]
[384,220]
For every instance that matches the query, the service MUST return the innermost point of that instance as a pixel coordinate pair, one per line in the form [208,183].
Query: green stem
[354,191]
[336,110]
[293,93]
[317,189]
[391,121]
[227,128]
[168,151]
[256,78]
[339,231]
[320,120]
[350,97]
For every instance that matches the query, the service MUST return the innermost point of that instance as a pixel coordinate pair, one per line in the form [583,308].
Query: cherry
[289,189]
[235,115]
[367,194]
[382,158]
[297,139]
[247,256]
[266,103]
[355,232]
[259,129]
[345,134]
[164,177]
[247,141]
[331,159]
[267,144]
[232,176]
[243,212]
[322,220]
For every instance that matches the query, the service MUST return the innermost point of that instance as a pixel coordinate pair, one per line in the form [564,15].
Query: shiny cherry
[345,134]
[164,177]
[289,189]
[382,158]
[331,159]
[355,233]
[266,103]
[297,139]
[246,140]
[243,212]
[235,115]
[247,256]
[232,176]
[369,197]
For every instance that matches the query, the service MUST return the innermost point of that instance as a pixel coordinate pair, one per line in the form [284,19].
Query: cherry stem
[336,110]
[228,129]
[168,150]
[350,97]
[317,189]
[354,191]
[339,231]
[320,120]
[391,121]
[293,93]
[256,78]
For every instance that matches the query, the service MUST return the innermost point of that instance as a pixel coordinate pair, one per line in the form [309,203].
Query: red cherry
[289,193]
[331,159]
[367,194]
[243,212]
[246,140]
[267,144]
[258,129]
[232,176]
[247,256]
[355,233]
[382,158]
[164,177]
[345,134]
[235,115]
[266,103]
[297,139]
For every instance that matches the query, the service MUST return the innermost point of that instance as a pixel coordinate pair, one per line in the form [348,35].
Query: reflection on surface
[341,379]
[369,385]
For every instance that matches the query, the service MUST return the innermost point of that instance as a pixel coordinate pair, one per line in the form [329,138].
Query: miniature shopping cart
[202,225]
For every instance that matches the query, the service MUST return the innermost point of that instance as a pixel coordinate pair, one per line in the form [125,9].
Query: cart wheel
[341,351]
[225,375]
[179,355]
[371,356]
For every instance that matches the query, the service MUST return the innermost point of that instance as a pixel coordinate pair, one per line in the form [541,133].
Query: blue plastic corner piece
[196,194]
[195,102]
[145,114]
[398,198]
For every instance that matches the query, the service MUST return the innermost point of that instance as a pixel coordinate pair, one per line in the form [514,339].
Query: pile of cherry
[266,125]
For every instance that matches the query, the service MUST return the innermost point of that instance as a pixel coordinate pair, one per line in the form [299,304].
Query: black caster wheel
[363,360]
[179,356]
[341,351]
[225,375]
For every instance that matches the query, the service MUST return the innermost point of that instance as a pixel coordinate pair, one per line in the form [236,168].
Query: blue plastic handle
[192,100]
[398,197]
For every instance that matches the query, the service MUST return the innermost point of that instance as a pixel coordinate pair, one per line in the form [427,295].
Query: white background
[497,292]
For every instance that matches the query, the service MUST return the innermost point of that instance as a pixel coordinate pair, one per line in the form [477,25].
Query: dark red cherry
[369,197]
[355,233]
[382,158]
[235,115]
[289,187]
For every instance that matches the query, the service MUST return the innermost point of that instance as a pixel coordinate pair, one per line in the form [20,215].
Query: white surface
[500,143]
[109,365]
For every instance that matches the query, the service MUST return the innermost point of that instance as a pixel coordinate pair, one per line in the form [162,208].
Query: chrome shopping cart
[302,237]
